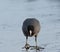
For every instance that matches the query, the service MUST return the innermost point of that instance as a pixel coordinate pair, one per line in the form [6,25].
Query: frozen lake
[14,12]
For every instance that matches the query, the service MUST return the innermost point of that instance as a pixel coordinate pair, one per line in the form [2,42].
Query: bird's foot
[27,46]
[36,47]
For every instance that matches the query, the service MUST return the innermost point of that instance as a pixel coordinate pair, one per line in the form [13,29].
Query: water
[14,12]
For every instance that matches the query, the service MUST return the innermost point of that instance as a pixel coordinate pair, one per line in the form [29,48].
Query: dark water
[14,12]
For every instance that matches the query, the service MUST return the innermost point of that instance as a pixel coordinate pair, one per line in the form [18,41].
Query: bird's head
[30,30]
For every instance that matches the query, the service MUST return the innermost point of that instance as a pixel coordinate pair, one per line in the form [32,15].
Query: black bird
[31,27]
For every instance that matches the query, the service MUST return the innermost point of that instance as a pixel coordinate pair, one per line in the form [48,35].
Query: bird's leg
[37,48]
[36,41]
[26,40]
[27,46]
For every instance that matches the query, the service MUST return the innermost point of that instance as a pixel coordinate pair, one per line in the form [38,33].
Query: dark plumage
[31,27]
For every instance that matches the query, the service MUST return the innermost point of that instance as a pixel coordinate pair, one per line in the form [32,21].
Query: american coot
[31,27]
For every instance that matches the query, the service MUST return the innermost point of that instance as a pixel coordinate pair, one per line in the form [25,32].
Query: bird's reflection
[30,51]
[33,49]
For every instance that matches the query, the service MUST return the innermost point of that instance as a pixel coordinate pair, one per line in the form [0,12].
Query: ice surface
[14,12]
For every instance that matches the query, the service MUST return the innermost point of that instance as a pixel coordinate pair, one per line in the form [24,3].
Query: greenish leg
[36,41]
[27,40]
